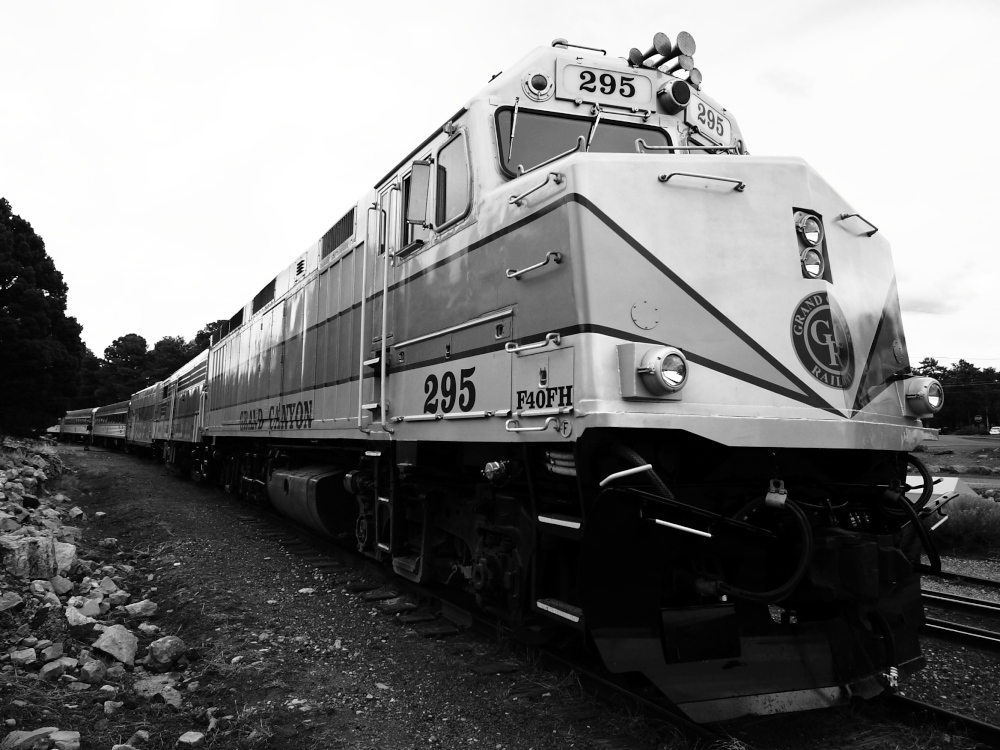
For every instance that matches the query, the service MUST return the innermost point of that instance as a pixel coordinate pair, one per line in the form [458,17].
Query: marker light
[924,397]
[809,229]
[663,370]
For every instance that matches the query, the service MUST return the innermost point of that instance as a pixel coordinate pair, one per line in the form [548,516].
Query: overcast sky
[174,156]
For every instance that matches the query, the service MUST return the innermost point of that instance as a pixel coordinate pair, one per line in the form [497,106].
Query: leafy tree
[125,369]
[167,355]
[203,339]
[91,377]
[40,347]
[931,368]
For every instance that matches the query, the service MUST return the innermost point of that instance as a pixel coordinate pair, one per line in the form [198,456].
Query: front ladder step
[558,524]
[565,613]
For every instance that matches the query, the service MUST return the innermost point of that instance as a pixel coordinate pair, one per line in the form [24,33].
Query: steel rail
[955,603]
[964,635]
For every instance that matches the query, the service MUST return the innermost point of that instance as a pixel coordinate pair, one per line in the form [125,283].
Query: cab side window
[451,200]
[412,232]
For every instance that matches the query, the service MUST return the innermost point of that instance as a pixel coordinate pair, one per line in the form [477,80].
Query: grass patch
[973,526]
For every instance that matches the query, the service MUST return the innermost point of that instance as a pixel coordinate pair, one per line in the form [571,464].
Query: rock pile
[66,617]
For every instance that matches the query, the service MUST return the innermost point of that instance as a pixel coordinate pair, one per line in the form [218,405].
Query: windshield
[541,136]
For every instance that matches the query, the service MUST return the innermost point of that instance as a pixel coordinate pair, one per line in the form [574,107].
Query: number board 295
[709,121]
[588,84]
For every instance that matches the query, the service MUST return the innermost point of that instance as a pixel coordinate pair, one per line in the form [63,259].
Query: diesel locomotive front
[584,358]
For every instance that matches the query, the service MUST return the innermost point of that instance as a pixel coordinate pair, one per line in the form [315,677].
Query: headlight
[663,370]
[812,263]
[924,397]
[809,229]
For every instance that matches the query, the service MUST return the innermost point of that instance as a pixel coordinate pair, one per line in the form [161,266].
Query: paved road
[967,441]
[964,447]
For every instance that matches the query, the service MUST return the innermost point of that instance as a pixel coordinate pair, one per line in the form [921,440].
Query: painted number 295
[590,81]
[462,390]
[709,118]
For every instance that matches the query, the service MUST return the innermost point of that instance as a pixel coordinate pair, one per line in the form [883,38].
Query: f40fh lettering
[545,398]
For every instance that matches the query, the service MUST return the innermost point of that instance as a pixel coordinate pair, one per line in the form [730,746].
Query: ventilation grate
[339,234]
[264,296]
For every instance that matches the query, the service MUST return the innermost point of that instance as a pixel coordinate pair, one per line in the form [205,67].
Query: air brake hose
[623,451]
[786,589]
[880,624]
[925,538]
[925,476]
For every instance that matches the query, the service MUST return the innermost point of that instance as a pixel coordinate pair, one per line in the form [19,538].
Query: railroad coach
[75,423]
[110,423]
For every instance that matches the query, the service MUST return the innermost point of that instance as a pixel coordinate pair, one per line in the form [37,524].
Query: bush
[969,430]
[973,526]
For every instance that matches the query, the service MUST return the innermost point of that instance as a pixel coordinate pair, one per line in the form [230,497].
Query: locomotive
[584,359]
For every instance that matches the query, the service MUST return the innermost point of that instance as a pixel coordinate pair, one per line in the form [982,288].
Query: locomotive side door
[381,246]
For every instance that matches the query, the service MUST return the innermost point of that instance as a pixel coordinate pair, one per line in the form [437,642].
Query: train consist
[581,356]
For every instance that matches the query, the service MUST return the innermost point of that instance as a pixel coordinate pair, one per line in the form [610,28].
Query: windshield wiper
[593,128]
[513,127]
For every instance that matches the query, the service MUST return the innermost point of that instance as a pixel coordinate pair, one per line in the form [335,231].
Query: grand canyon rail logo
[823,341]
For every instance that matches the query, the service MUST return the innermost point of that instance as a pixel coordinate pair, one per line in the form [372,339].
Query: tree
[203,339]
[930,368]
[40,347]
[91,377]
[168,354]
[125,370]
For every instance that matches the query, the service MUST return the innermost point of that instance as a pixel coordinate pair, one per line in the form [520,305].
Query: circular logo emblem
[822,341]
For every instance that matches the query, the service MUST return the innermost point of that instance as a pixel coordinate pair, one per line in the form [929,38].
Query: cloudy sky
[179,154]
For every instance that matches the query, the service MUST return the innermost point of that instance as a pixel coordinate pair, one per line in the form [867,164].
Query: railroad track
[959,633]
[964,604]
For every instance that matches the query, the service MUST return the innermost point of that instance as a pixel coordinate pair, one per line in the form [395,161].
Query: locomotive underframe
[525,532]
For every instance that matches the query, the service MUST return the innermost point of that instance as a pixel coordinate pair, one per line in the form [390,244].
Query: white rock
[52,671]
[119,642]
[93,672]
[163,652]
[162,685]
[28,556]
[192,739]
[90,608]
[65,557]
[24,657]
[65,740]
[10,601]
[24,740]
[61,585]
[145,608]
